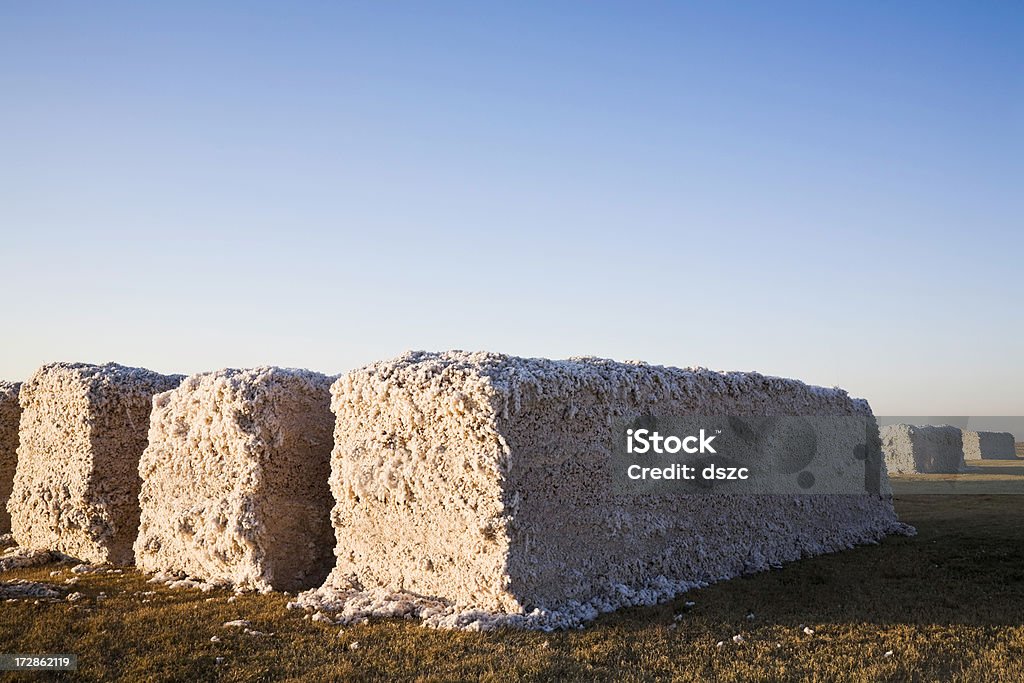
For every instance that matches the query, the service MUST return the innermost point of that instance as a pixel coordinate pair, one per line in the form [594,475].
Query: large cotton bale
[10,414]
[913,449]
[83,428]
[235,480]
[989,446]
[485,481]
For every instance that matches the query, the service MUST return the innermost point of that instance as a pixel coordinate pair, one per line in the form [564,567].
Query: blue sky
[828,191]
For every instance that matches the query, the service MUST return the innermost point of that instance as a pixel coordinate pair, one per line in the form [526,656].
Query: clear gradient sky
[828,191]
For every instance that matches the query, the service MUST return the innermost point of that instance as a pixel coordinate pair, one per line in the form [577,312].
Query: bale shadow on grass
[965,567]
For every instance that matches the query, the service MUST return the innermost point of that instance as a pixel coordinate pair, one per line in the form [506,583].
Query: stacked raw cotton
[989,446]
[10,414]
[912,449]
[235,480]
[475,489]
[83,428]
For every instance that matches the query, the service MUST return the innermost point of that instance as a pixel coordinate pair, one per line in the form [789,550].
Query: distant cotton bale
[76,488]
[989,446]
[484,482]
[928,449]
[10,414]
[235,480]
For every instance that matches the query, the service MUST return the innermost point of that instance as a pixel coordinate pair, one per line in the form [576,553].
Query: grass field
[983,477]
[947,604]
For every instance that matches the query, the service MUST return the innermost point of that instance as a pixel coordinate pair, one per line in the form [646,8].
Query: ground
[945,605]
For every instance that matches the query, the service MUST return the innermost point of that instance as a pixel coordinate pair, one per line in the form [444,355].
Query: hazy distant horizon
[829,193]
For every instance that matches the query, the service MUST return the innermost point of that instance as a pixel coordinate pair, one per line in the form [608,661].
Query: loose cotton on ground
[473,490]
[76,488]
[235,480]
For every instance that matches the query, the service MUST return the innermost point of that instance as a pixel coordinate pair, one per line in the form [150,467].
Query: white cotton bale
[989,446]
[10,415]
[484,481]
[82,430]
[235,480]
[910,449]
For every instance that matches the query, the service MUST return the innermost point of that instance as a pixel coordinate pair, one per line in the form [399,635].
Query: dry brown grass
[983,477]
[947,604]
